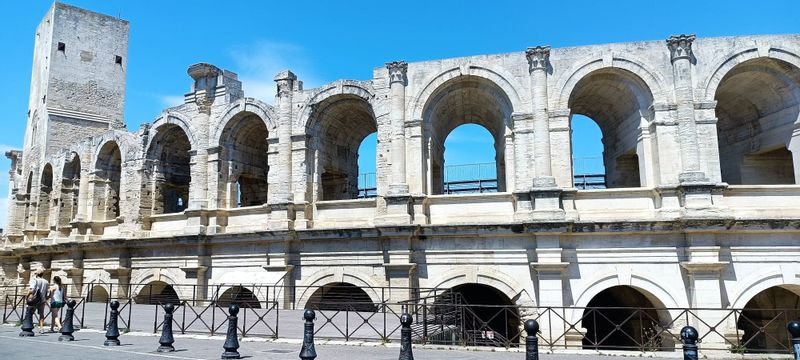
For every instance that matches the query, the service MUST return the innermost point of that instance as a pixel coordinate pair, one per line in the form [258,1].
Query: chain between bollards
[794,332]
[531,341]
[231,345]
[112,331]
[166,340]
[406,352]
[689,339]
[307,352]
[27,322]
[67,327]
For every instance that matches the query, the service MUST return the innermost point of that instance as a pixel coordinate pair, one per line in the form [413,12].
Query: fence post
[794,331]
[531,341]
[112,334]
[231,345]
[307,352]
[689,339]
[68,328]
[167,339]
[405,337]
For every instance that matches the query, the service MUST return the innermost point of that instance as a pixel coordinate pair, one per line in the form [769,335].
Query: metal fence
[440,317]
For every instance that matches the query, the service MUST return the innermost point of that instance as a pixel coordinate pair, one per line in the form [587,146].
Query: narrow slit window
[118,59]
[62,47]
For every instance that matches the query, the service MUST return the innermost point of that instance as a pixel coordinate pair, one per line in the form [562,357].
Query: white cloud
[171,100]
[258,63]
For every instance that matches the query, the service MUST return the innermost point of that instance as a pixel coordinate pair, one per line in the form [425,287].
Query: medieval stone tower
[77,91]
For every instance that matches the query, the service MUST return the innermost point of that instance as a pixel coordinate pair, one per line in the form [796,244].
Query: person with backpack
[37,295]
[57,300]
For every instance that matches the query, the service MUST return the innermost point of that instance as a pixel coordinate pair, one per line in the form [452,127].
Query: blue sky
[323,41]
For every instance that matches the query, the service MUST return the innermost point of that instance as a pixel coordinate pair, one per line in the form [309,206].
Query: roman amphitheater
[696,219]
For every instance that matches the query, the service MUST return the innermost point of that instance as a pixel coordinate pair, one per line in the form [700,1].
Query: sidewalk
[88,345]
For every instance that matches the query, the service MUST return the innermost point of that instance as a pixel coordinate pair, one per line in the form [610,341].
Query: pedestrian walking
[57,300]
[37,295]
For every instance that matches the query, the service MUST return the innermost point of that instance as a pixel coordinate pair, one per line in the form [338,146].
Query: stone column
[550,270]
[704,271]
[397,199]
[538,61]
[680,47]
[280,201]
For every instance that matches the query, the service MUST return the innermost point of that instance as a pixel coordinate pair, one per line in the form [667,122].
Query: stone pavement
[88,345]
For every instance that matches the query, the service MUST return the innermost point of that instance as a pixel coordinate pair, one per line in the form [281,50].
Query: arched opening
[625,318]
[587,153]
[169,157]
[763,320]
[338,127]
[98,294]
[470,161]
[70,191]
[340,297]
[757,111]
[618,101]
[244,163]
[367,167]
[43,206]
[28,188]
[107,182]
[239,295]
[487,316]
[157,292]
[465,100]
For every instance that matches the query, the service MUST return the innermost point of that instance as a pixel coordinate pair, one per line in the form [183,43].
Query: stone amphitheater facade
[701,148]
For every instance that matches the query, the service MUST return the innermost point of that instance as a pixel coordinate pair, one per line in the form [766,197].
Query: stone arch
[172,118]
[462,96]
[168,276]
[238,294]
[359,278]
[359,89]
[107,182]
[165,188]
[247,105]
[708,86]
[760,281]
[45,194]
[70,192]
[487,276]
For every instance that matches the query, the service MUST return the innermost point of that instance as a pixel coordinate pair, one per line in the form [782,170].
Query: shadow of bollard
[67,327]
[112,333]
[689,339]
[231,345]
[166,340]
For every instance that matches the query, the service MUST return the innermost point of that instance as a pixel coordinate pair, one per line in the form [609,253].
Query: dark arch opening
[341,297]
[157,292]
[28,188]
[169,155]
[465,100]
[763,320]
[338,126]
[98,294]
[758,103]
[239,295]
[70,192]
[616,100]
[245,163]
[488,316]
[43,206]
[624,318]
[109,173]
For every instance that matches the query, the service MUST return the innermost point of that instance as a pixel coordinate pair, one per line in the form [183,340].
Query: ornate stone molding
[680,46]
[538,57]
[397,71]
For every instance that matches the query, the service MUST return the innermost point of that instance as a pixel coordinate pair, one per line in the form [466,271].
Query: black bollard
[67,328]
[27,322]
[531,341]
[112,330]
[167,340]
[405,337]
[231,345]
[307,352]
[689,339]
[794,331]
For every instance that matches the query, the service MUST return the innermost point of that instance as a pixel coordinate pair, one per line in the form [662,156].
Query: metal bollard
[27,322]
[689,339]
[112,330]
[67,328]
[167,339]
[531,341]
[307,352]
[794,331]
[405,337]
[231,345]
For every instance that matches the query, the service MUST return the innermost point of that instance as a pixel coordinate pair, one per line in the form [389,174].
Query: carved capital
[538,57]
[285,80]
[397,71]
[680,46]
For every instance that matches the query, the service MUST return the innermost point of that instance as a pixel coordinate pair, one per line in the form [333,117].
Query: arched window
[43,205]
[465,100]
[338,127]
[587,153]
[367,166]
[757,110]
[470,161]
[244,165]
[29,220]
[618,101]
[763,320]
[107,182]
[169,158]
[70,190]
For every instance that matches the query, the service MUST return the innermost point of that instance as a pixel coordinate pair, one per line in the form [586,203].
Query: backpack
[37,297]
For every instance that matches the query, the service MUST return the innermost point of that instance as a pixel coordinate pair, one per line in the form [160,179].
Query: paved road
[88,345]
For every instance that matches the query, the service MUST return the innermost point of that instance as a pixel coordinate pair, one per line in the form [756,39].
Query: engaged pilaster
[398,199]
